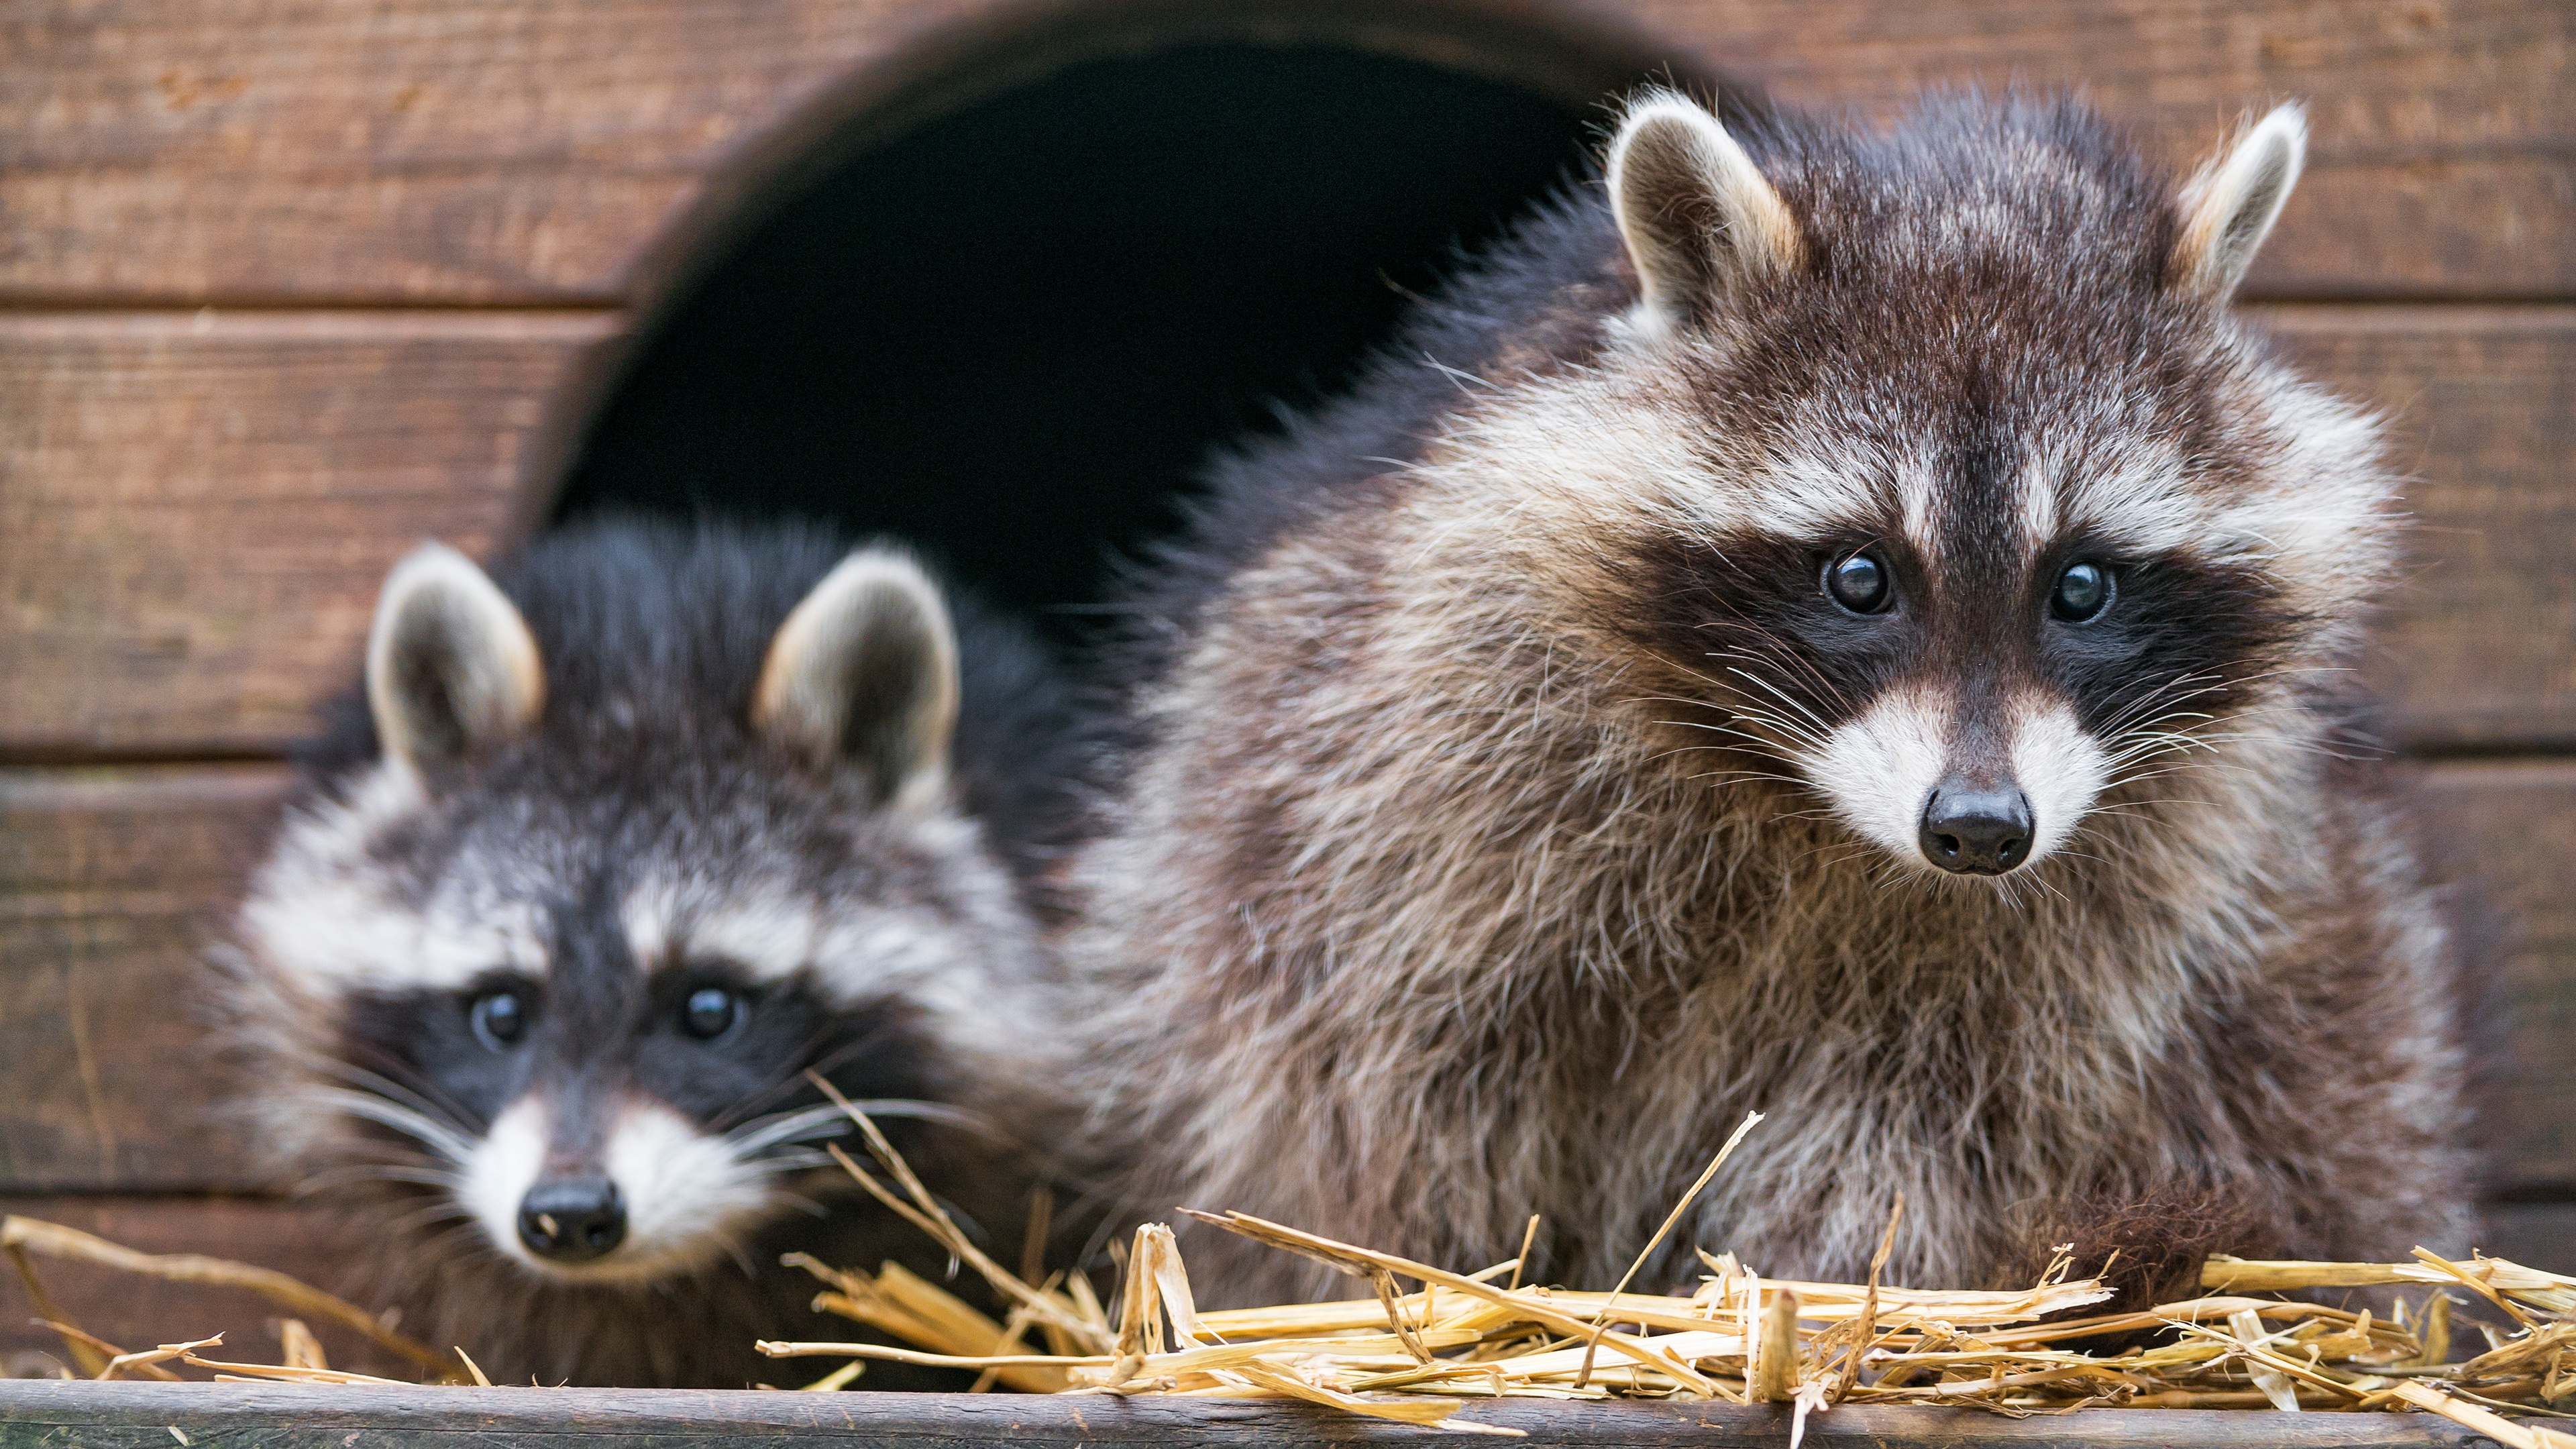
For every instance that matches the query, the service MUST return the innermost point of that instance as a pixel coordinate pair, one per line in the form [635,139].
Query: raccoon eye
[2082,593]
[710,1012]
[1858,582]
[500,1019]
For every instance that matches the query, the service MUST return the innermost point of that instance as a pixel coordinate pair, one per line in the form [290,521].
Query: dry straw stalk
[1425,1357]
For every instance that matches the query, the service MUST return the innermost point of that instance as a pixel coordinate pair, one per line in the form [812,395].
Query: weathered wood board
[2513,826]
[109,878]
[493,151]
[111,884]
[2479,645]
[2538,1234]
[195,510]
[39,1415]
[132,1312]
[194,517]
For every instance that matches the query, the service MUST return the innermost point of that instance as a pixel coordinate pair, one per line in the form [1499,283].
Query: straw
[1425,1358]
[20,1236]
[1420,1357]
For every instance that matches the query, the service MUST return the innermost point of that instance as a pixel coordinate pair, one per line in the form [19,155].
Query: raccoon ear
[451,667]
[1697,215]
[863,675]
[2230,205]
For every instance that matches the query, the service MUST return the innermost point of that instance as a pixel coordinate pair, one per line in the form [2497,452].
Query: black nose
[572,1219]
[1976,830]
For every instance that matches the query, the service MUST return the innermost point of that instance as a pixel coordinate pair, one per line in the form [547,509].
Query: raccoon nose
[572,1220]
[1976,830]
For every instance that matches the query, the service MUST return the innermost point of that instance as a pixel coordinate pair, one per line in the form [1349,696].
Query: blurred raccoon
[1841,624]
[620,847]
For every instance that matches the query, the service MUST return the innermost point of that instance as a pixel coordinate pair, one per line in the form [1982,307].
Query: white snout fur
[689,1196]
[1879,770]
[2061,770]
[499,1172]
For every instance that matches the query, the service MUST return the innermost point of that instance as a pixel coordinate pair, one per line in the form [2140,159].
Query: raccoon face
[1967,501]
[567,980]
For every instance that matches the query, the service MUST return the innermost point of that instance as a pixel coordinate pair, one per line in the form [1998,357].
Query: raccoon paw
[2146,1245]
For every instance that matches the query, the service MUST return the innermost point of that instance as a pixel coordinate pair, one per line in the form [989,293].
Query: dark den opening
[1012,334]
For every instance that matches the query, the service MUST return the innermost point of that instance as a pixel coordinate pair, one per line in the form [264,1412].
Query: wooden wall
[286,286]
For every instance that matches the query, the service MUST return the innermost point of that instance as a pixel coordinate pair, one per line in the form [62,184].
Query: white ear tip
[431,565]
[1698,216]
[889,565]
[435,592]
[813,692]
[1669,105]
[2289,118]
[2284,129]
[875,570]
[1667,112]
[430,559]
[2231,205]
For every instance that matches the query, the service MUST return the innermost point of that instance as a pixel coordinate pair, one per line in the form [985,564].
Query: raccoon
[620,847]
[1838,623]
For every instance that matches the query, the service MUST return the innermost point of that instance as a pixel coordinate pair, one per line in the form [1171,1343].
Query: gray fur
[873,892]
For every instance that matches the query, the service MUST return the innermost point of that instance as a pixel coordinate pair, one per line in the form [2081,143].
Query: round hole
[1011,333]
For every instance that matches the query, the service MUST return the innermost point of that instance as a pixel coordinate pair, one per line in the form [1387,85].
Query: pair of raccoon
[1839,624]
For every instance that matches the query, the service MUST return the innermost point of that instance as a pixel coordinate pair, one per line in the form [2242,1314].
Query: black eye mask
[460,1056]
[2170,639]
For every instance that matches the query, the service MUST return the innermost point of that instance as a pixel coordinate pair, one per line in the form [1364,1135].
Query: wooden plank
[109,878]
[110,882]
[150,1416]
[2441,130]
[193,522]
[349,152]
[2480,644]
[2535,1234]
[195,511]
[495,150]
[2511,828]
[132,1312]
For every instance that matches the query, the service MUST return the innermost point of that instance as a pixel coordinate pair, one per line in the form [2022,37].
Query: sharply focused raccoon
[619,849]
[1840,624]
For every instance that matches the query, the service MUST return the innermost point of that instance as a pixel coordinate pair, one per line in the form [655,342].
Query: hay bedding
[1426,1357]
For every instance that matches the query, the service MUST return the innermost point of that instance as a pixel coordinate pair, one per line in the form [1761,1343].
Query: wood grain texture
[109,880]
[195,511]
[136,1312]
[143,1416]
[498,150]
[2535,1234]
[193,523]
[2510,827]
[2479,647]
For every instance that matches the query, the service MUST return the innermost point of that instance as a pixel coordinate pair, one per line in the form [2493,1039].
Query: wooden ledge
[287,1416]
